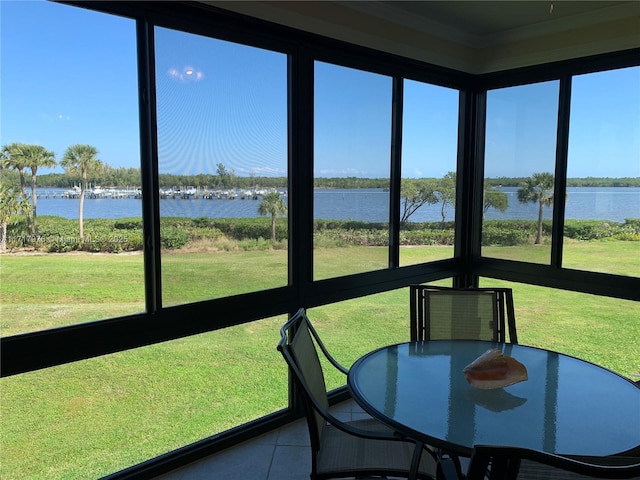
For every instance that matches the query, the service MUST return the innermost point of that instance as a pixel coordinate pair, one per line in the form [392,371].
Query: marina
[183,193]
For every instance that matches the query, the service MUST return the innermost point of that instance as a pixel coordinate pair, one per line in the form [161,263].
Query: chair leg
[454,459]
[415,461]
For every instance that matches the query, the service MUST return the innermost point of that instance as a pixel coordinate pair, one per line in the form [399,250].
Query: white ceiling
[472,36]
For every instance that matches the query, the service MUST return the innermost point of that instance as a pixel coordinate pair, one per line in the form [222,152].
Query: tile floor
[279,455]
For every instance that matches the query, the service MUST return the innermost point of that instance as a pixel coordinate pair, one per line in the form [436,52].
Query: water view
[583,203]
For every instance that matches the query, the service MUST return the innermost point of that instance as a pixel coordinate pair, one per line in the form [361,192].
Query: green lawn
[90,418]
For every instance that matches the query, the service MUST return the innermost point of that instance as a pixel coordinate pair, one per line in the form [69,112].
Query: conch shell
[492,370]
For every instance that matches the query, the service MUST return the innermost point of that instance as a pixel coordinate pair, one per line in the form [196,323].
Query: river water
[598,203]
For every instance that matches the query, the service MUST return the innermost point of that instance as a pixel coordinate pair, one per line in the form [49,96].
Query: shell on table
[493,370]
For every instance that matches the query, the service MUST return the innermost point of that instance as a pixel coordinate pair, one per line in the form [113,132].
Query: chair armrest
[325,352]
[368,428]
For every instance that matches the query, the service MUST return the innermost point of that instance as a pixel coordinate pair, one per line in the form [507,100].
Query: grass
[51,290]
[197,276]
[617,257]
[91,418]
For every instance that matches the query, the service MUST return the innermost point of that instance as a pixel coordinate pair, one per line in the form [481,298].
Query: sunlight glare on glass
[186,74]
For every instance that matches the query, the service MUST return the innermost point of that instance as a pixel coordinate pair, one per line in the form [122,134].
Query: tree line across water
[127,177]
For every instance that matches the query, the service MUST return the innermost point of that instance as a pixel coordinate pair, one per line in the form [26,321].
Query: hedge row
[121,235]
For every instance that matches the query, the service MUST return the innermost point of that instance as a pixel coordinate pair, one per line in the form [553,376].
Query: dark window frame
[37,350]
[77,342]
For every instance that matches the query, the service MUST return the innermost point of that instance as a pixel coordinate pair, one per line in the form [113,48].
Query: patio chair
[344,449]
[461,313]
[511,463]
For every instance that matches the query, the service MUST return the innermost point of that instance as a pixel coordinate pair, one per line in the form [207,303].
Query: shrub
[588,230]
[63,245]
[496,235]
[348,225]
[412,226]
[628,237]
[599,230]
[427,237]
[128,225]
[254,244]
[634,222]
[232,234]
[243,228]
[134,242]
[172,237]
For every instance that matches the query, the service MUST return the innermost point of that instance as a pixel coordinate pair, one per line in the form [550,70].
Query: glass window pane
[69,109]
[91,418]
[352,145]
[602,216]
[429,157]
[520,151]
[352,328]
[222,148]
[598,329]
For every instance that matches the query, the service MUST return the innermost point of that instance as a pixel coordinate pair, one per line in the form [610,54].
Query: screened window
[520,150]
[352,328]
[222,154]
[91,418]
[352,148]
[70,137]
[429,156]
[602,215]
[578,324]
[69,79]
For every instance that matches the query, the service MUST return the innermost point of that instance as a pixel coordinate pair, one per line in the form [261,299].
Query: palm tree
[537,188]
[272,204]
[11,203]
[13,156]
[37,156]
[81,159]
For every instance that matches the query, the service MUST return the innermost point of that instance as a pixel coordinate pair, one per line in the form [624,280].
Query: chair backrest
[298,349]
[461,313]
[511,463]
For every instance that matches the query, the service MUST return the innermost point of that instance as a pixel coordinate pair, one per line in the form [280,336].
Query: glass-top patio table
[567,406]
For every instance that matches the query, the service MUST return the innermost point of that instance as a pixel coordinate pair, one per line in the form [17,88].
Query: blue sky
[68,76]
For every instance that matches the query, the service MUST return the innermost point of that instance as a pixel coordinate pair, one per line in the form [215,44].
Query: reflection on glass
[140,403]
[556,410]
[602,218]
[496,401]
[429,155]
[69,110]
[520,151]
[352,145]
[222,148]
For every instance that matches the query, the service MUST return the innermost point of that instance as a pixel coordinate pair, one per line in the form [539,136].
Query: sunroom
[349,105]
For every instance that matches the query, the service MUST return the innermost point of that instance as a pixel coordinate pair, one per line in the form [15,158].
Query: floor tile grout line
[273,455]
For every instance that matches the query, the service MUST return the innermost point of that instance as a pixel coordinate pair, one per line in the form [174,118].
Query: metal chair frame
[503,317]
[506,463]
[319,418]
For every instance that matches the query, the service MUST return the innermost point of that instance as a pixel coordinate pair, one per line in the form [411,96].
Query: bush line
[125,234]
